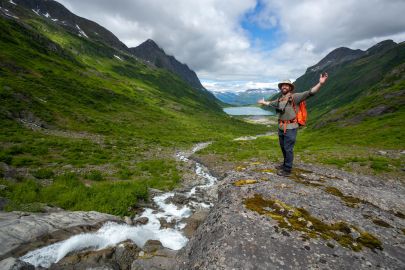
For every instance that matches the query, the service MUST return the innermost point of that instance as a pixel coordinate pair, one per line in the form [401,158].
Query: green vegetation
[299,219]
[69,105]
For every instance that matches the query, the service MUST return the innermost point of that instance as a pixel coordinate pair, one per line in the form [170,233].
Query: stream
[112,233]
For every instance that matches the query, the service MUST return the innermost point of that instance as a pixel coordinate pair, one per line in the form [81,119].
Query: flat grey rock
[20,231]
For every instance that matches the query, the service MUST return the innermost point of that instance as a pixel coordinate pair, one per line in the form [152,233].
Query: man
[288,125]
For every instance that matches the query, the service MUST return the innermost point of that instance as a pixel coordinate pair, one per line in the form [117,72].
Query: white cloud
[207,34]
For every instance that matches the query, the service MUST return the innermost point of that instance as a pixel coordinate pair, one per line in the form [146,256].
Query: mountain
[86,125]
[58,14]
[364,94]
[335,58]
[247,97]
[152,53]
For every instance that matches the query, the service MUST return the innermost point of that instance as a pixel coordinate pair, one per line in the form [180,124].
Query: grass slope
[84,126]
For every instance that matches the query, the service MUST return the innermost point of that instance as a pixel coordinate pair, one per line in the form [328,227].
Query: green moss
[299,219]
[348,200]
[297,176]
[243,182]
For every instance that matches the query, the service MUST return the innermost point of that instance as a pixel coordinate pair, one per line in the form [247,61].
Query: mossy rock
[299,219]
[243,182]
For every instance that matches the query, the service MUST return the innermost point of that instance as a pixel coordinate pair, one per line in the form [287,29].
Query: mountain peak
[151,43]
[150,51]
[336,57]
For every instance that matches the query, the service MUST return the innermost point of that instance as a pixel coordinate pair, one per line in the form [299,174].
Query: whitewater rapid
[112,233]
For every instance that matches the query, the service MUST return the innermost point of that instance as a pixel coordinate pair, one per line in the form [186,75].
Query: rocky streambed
[91,239]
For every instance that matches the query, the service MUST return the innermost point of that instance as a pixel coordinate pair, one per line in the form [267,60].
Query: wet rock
[21,232]
[128,220]
[152,245]
[141,221]
[164,224]
[194,221]
[163,259]
[178,199]
[118,257]
[15,264]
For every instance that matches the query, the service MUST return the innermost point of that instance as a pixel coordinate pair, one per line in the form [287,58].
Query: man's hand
[262,102]
[323,78]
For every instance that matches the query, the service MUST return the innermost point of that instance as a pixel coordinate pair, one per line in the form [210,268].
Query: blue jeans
[287,142]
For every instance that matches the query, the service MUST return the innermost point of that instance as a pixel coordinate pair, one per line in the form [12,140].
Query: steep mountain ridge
[56,13]
[155,55]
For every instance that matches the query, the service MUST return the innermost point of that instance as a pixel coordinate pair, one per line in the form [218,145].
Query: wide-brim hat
[286,82]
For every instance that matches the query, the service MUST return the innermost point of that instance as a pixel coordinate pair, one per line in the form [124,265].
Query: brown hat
[286,82]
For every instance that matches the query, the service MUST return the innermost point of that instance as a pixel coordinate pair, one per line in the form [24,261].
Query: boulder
[119,257]
[194,221]
[141,221]
[21,232]
[15,264]
[152,245]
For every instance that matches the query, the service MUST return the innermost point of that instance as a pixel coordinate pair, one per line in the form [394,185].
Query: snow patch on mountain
[81,32]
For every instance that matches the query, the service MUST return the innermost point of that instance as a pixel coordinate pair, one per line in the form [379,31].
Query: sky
[240,44]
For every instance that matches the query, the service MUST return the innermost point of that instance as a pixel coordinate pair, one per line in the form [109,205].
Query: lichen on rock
[299,219]
[243,182]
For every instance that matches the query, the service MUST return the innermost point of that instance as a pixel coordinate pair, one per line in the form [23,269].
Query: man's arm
[298,97]
[322,80]
[267,103]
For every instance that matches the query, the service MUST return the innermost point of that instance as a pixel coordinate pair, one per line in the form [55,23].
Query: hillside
[355,74]
[85,119]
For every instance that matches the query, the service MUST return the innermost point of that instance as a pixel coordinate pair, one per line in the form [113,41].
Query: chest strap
[283,123]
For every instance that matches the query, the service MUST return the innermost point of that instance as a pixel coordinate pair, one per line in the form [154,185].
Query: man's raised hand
[323,78]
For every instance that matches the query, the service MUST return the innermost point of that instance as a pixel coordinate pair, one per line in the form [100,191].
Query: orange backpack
[301,114]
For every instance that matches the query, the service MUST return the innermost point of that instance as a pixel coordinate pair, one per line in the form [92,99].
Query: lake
[247,110]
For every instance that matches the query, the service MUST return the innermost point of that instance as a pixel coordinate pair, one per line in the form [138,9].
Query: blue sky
[243,43]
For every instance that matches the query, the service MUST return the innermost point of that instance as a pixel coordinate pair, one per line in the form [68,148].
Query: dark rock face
[316,219]
[70,21]
[151,52]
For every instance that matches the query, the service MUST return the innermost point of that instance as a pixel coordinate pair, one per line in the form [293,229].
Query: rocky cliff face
[152,53]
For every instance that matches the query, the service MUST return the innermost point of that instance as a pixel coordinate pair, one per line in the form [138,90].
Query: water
[112,233]
[247,110]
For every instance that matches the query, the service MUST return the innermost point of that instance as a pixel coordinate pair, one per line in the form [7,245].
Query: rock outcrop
[317,219]
[21,232]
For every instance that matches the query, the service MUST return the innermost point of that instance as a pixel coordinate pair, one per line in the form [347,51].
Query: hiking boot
[284,173]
